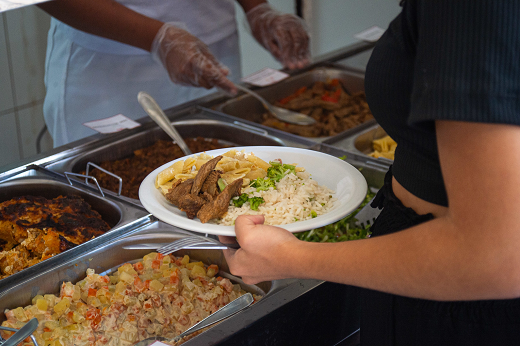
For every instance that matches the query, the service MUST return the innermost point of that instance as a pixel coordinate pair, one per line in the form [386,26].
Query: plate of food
[297,189]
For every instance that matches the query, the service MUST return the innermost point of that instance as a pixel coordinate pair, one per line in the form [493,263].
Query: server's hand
[284,35]
[188,60]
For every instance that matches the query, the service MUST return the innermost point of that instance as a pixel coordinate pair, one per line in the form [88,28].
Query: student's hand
[188,60]
[284,35]
[264,250]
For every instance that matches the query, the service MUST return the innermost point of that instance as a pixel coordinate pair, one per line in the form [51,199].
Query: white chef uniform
[89,77]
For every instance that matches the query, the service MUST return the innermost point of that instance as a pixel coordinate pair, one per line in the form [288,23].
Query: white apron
[88,77]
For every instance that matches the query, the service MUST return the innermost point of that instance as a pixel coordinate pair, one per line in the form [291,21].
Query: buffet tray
[121,216]
[247,108]
[360,141]
[227,133]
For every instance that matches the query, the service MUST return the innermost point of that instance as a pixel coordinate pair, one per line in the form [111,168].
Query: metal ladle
[156,113]
[281,113]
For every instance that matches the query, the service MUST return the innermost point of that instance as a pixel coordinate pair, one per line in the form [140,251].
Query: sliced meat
[203,173]
[211,183]
[220,204]
[190,204]
[175,194]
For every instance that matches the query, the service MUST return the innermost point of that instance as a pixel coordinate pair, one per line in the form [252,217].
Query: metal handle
[107,172]
[83,176]
[156,113]
[21,334]
[255,95]
[251,128]
[227,310]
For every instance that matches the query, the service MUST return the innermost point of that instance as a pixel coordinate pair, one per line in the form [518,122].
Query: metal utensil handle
[83,176]
[251,128]
[156,113]
[235,306]
[107,172]
[22,333]
[255,95]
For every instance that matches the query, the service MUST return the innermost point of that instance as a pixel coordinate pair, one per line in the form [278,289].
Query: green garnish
[277,170]
[313,214]
[344,229]
[221,184]
[240,200]
[253,201]
[344,157]
[263,184]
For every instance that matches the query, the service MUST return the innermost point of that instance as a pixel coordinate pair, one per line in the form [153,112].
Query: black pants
[388,319]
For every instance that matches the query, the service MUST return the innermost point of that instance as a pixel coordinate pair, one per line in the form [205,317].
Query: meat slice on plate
[220,204]
[178,191]
[211,183]
[203,173]
[190,204]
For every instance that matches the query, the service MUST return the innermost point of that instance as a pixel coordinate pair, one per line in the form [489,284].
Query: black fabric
[443,60]
[388,320]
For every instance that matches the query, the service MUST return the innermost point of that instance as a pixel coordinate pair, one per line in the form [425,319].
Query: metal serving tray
[122,217]
[226,133]
[360,142]
[356,62]
[249,109]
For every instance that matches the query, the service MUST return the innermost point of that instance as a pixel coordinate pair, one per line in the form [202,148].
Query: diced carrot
[92,292]
[138,266]
[156,264]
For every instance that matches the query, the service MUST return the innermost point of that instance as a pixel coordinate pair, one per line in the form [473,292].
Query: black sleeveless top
[443,60]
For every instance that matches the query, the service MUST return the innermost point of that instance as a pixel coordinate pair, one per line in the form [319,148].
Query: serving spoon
[281,113]
[227,310]
[156,113]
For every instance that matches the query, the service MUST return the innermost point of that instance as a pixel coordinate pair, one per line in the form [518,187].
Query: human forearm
[105,18]
[434,260]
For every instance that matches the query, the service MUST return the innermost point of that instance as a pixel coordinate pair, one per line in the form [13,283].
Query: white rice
[294,199]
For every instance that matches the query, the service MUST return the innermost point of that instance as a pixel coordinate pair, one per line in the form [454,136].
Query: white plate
[346,180]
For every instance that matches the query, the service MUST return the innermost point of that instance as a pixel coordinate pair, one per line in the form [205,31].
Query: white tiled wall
[23,39]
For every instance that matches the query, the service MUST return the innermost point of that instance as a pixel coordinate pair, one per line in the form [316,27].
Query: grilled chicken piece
[178,191]
[203,173]
[210,184]
[35,228]
[220,204]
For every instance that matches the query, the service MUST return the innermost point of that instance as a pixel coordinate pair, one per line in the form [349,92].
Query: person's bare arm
[105,18]
[471,253]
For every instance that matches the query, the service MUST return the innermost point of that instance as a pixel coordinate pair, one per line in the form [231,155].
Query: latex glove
[188,60]
[284,35]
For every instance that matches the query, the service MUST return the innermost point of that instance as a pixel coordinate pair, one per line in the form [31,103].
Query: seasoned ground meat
[327,102]
[134,169]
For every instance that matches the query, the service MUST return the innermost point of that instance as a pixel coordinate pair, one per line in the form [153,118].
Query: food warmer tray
[286,298]
[227,133]
[360,142]
[121,216]
[248,109]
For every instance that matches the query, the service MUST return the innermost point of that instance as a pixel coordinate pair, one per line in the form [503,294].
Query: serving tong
[224,312]
[20,334]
